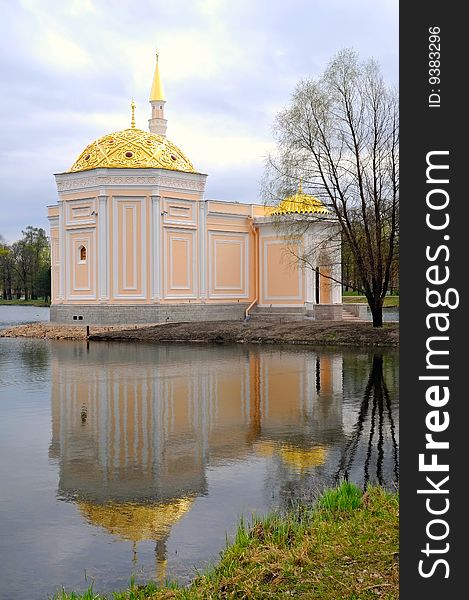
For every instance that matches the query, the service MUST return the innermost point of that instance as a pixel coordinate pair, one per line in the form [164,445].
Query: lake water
[120,459]
[15,315]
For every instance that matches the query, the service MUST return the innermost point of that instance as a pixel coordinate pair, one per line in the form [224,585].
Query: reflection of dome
[135,149]
[133,521]
[303,459]
[298,458]
[300,203]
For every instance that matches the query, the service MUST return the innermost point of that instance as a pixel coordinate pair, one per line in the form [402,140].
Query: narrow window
[82,253]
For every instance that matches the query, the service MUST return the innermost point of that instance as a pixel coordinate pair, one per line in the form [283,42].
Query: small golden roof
[132,148]
[303,459]
[298,458]
[300,203]
[157,92]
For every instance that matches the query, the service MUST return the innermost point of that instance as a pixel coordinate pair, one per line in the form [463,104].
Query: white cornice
[156,178]
[274,219]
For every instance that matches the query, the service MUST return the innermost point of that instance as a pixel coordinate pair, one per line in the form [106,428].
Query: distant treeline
[25,266]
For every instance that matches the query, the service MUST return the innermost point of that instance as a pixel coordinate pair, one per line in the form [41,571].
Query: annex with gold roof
[134,240]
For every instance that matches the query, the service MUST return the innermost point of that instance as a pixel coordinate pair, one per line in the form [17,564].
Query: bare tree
[340,133]
[6,270]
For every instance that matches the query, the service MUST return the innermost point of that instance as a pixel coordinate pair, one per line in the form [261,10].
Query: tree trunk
[376,308]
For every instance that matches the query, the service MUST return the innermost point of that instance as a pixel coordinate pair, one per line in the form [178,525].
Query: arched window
[82,253]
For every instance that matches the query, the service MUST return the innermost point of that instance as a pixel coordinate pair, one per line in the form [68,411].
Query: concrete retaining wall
[88,314]
[359,310]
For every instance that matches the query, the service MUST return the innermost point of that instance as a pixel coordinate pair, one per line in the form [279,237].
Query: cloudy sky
[70,68]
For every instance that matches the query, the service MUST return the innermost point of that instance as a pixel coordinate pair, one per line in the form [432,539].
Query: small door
[325,286]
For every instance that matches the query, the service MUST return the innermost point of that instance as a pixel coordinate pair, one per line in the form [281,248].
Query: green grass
[345,498]
[343,548]
[353,297]
[15,302]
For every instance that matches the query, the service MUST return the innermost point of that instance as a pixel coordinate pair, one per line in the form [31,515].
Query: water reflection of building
[134,428]
[145,426]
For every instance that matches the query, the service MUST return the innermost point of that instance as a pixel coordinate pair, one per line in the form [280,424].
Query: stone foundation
[326,312]
[92,314]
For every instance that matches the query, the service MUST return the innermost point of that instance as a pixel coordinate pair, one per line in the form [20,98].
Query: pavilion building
[133,240]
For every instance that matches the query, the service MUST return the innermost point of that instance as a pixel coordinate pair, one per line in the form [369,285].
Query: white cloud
[81,7]
[61,52]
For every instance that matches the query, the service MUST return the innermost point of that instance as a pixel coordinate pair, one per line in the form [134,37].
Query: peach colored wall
[281,277]
[228,265]
[179,263]
[179,213]
[230,252]
[180,257]
[229,208]
[258,210]
[129,248]
[226,224]
[81,280]
[78,212]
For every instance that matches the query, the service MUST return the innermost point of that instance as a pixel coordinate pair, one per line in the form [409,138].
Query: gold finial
[300,187]
[157,92]
[132,122]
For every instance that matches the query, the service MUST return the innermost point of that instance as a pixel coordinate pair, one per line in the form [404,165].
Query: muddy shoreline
[336,333]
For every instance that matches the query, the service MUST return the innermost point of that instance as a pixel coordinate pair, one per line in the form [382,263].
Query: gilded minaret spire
[132,106]
[157,124]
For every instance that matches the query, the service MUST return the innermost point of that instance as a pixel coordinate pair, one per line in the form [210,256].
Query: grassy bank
[345,548]
[40,303]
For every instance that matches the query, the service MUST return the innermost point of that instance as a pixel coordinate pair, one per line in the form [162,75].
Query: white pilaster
[336,286]
[103,248]
[310,275]
[336,269]
[309,285]
[62,257]
[155,258]
[202,230]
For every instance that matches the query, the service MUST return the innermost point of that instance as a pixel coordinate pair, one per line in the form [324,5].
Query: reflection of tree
[374,410]
[34,356]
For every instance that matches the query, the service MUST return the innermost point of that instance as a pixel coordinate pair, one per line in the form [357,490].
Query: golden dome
[132,149]
[135,522]
[300,203]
